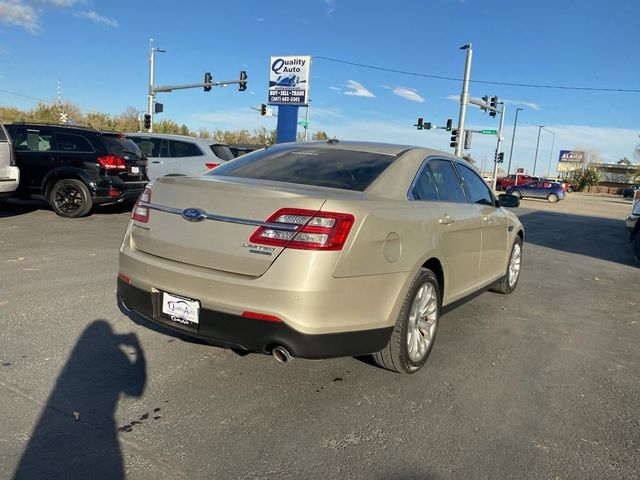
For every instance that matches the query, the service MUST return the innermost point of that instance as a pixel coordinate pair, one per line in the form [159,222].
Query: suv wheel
[415,330]
[70,198]
[552,198]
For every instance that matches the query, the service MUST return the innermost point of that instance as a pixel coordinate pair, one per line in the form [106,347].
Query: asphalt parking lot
[543,383]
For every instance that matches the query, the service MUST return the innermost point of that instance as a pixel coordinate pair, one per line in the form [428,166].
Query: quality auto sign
[289,80]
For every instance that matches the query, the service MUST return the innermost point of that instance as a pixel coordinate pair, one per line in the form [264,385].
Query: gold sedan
[319,250]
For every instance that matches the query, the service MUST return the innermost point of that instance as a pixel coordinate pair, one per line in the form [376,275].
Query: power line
[486,82]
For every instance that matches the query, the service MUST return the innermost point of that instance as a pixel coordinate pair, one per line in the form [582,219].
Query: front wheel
[70,198]
[415,330]
[516,193]
[552,198]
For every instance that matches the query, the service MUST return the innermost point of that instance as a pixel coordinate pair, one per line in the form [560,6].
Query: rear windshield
[222,151]
[322,167]
[118,146]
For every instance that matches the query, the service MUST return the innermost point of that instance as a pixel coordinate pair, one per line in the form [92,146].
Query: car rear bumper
[102,196]
[236,331]
[9,184]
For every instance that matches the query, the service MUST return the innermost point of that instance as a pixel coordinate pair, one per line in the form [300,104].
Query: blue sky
[99,49]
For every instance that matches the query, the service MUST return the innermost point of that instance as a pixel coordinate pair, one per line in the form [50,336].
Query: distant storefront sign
[571,160]
[289,80]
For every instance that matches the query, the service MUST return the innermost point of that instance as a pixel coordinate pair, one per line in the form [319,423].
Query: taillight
[12,156]
[305,230]
[141,209]
[211,165]
[110,162]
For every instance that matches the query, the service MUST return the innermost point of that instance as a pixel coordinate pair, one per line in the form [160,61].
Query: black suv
[75,168]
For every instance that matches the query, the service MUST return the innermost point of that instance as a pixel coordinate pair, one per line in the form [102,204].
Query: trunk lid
[219,244]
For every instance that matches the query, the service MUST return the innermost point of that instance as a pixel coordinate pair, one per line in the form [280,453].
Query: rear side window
[476,188]
[3,136]
[447,182]
[118,145]
[152,147]
[73,143]
[425,187]
[222,151]
[184,149]
[322,167]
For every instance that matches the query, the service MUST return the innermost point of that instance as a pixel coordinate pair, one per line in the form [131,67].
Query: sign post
[289,90]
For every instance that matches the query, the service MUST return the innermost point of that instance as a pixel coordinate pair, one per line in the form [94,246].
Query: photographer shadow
[76,435]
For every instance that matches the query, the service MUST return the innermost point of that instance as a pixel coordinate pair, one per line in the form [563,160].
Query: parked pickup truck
[502,183]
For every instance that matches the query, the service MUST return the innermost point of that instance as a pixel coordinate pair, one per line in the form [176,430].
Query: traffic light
[485,99]
[147,121]
[454,138]
[207,79]
[263,109]
[427,126]
[420,123]
[158,107]
[242,86]
[467,139]
[449,124]
[493,103]
[500,157]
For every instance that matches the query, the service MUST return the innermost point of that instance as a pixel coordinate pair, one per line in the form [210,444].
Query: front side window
[476,188]
[184,149]
[34,140]
[447,182]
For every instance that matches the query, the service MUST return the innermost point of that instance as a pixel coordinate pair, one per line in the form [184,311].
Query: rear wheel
[415,330]
[552,198]
[516,193]
[70,198]
[508,283]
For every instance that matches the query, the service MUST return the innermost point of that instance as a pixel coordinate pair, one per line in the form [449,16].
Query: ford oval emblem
[194,214]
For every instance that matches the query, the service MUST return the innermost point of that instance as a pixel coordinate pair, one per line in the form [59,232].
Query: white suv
[180,154]
[9,172]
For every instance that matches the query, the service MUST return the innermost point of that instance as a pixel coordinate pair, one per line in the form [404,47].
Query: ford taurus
[319,250]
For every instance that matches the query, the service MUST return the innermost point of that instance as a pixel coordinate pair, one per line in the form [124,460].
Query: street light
[535,160]
[540,128]
[513,139]
[553,142]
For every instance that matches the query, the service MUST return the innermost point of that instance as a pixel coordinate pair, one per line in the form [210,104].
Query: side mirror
[510,201]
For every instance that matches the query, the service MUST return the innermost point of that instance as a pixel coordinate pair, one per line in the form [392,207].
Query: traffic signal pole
[503,111]
[464,98]
[151,96]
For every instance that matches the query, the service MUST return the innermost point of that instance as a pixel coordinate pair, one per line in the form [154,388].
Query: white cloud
[532,105]
[337,89]
[331,6]
[408,94]
[63,3]
[17,13]
[357,90]
[97,18]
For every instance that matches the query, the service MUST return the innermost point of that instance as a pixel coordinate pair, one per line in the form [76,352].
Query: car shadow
[597,237]
[76,434]
[13,208]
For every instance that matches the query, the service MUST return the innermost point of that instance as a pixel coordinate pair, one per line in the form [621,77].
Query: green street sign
[488,132]
[303,124]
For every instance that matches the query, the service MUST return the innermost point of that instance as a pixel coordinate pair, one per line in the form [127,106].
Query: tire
[509,282]
[70,198]
[552,198]
[516,193]
[569,190]
[397,356]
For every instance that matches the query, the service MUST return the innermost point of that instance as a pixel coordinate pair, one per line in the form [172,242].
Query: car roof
[373,147]
[173,136]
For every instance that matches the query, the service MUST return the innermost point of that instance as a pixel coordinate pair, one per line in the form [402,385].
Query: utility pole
[464,98]
[535,160]
[306,123]
[553,142]
[498,146]
[513,139]
[152,94]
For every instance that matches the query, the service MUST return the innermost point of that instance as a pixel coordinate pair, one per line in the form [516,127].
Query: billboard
[289,80]
[571,160]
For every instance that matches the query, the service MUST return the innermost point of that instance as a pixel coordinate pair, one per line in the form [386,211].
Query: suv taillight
[110,162]
[211,166]
[313,230]
[141,209]
[12,156]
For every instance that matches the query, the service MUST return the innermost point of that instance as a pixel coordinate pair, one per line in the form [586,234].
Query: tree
[585,178]
[624,161]
[320,135]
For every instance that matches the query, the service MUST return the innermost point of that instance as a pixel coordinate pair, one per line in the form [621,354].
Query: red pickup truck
[502,183]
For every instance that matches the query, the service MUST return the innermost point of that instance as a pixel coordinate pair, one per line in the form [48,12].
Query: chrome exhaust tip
[281,354]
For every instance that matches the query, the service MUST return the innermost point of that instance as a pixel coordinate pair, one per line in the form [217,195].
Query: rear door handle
[446,220]
[156,161]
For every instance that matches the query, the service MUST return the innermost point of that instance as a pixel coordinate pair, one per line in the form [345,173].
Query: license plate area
[182,310]
[135,170]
